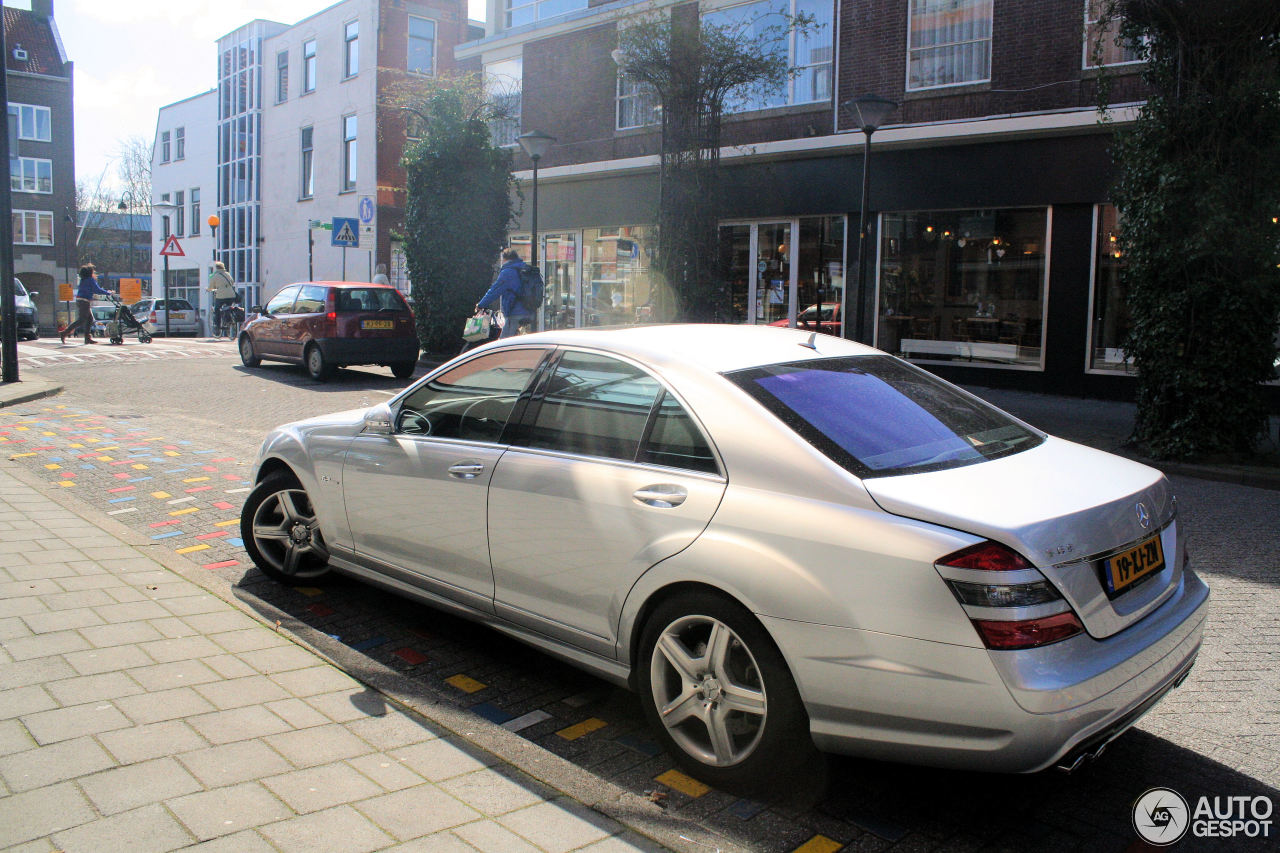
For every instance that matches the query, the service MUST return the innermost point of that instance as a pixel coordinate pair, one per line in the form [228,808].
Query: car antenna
[812,343]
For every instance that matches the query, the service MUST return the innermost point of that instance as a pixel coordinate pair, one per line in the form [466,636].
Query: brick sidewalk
[138,711]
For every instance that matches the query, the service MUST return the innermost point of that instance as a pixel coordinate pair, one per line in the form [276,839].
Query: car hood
[1064,507]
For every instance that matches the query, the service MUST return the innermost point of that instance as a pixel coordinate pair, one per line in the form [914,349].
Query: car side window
[473,401]
[282,302]
[310,300]
[675,441]
[594,405]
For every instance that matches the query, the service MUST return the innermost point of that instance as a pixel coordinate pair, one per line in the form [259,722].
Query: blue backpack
[532,289]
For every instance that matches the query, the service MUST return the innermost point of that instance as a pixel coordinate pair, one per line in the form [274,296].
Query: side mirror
[33,293]
[257,309]
[377,421]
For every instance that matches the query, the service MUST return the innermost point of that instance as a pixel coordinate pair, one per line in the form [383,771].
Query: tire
[143,337]
[247,355]
[318,367]
[718,694]
[403,369]
[281,533]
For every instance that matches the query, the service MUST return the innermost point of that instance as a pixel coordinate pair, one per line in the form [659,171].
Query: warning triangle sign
[345,234]
[172,248]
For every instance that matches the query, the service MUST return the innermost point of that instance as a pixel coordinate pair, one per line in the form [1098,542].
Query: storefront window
[788,273]
[617,279]
[1110,321]
[964,285]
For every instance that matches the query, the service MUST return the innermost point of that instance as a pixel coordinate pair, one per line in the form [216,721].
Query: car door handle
[662,497]
[466,470]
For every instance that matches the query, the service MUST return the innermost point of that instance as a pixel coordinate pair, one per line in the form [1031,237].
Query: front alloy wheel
[281,532]
[247,356]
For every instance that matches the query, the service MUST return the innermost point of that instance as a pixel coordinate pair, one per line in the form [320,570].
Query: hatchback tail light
[1011,604]
[153,317]
[330,325]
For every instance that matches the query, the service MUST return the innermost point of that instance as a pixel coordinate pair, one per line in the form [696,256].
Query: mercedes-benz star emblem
[1144,517]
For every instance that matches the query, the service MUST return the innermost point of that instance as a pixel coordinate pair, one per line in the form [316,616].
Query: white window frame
[911,50]
[180,143]
[1092,31]
[180,211]
[34,218]
[29,124]
[29,169]
[309,66]
[506,84]
[282,76]
[194,200]
[164,146]
[350,49]
[542,9]
[307,161]
[435,44]
[636,98]
[350,152]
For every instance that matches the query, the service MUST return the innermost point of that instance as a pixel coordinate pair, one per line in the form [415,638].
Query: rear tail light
[1011,604]
[330,313]
[153,316]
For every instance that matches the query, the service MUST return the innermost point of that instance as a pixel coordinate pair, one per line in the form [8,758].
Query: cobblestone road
[165,445]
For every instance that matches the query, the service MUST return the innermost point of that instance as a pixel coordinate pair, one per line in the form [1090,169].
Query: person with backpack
[223,288]
[517,291]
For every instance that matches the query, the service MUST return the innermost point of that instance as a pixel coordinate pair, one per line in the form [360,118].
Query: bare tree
[133,168]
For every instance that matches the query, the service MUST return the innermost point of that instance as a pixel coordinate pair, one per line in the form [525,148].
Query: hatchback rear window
[370,299]
[877,416]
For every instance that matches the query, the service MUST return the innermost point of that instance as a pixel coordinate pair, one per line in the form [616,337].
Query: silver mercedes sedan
[779,540]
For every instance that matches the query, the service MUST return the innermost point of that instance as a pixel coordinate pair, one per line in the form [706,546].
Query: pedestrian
[380,275]
[84,298]
[223,289]
[505,291]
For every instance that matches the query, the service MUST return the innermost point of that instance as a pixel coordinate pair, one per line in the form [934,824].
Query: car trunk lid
[1092,522]
[372,313]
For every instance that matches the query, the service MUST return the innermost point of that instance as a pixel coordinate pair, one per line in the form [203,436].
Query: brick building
[989,255]
[42,174]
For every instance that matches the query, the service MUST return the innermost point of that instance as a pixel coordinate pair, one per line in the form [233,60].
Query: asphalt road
[179,427]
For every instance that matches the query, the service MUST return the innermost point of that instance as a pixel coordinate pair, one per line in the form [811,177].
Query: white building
[183,197]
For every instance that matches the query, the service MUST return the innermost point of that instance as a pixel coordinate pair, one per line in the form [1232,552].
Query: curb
[32,389]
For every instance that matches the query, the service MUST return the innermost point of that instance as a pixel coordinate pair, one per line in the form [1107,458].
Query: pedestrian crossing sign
[346,233]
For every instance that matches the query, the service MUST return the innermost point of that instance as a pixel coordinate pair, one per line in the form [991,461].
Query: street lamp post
[535,143]
[214,222]
[129,213]
[869,112]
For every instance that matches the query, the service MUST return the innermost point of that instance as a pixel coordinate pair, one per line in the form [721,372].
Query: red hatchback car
[324,325]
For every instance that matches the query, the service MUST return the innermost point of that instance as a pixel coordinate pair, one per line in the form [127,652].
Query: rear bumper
[368,350]
[900,699]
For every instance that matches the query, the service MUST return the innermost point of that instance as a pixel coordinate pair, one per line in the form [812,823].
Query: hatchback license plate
[377,324]
[1125,569]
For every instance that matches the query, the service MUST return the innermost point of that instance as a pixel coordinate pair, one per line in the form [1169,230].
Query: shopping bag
[476,328]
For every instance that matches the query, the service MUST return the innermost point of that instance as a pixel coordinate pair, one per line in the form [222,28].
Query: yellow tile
[175,453]
[200,547]
[308,591]
[161,495]
[819,844]
[54,466]
[227,522]
[676,780]
[76,446]
[139,467]
[66,484]
[112,458]
[585,727]
[48,433]
[24,429]
[189,509]
[21,455]
[202,479]
[465,683]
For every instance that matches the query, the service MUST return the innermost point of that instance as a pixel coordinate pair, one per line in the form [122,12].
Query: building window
[164,146]
[30,175]
[965,286]
[1109,323]
[615,266]
[180,143]
[810,55]
[527,11]
[949,43]
[282,76]
[32,228]
[308,66]
[638,104]
[195,211]
[422,45]
[503,82]
[308,163]
[1102,45]
[351,49]
[180,214]
[348,153]
[34,122]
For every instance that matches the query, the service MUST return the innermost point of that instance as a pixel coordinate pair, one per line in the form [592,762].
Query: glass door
[559,261]
[775,288]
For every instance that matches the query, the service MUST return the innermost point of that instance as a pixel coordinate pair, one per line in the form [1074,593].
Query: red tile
[411,656]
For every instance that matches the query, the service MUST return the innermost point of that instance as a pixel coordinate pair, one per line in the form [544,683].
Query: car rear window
[878,417]
[370,299]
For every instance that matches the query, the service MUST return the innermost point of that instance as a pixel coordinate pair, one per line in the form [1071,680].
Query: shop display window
[1109,322]
[965,286]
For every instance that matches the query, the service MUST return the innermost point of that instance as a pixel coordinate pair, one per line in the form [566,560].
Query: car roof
[345,284]
[719,348]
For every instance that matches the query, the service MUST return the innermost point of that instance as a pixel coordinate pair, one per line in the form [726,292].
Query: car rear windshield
[879,417]
[370,299]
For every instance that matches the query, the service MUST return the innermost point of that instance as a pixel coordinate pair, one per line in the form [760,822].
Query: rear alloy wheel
[317,365]
[281,533]
[718,693]
[247,355]
[403,369]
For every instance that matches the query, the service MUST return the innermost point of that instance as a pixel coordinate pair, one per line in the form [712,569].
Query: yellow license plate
[1125,569]
[377,324]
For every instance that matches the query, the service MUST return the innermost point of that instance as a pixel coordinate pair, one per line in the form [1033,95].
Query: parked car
[28,315]
[184,319]
[324,325]
[773,540]
[808,319]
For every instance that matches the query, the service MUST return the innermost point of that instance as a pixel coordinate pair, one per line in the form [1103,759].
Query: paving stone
[67,723]
[319,788]
[93,688]
[131,612]
[233,763]
[186,648]
[14,737]
[12,627]
[165,676]
[229,666]
[247,841]
[346,706]
[337,830]
[43,645]
[559,826]
[33,587]
[279,659]
[142,743]
[44,811]
[83,598]
[33,672]
[61,620]
[124,788]
[142,830]
[219,622]
[223,811]
[247,639]
[58,762]
[496,791]
[491,837]
[441,842]
[318,745]
[120,633]
[238,724]
[297,713]
[412,812]
[391,774]
[443,758]
[393,730]
[25,700]
[193,604]
[239,692]
[163,705]
[22,606]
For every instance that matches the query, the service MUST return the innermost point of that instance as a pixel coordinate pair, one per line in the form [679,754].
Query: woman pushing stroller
[84,298]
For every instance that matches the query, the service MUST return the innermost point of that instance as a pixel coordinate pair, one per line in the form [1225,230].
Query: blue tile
[237,541]
[745,809]
[371,643]
[491,712]
[122,500]
[168,535]
[138,479]
[640,745]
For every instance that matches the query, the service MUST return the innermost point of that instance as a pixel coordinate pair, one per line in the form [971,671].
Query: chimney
[42,8]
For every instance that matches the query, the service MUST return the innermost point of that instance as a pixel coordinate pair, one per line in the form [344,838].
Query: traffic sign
[366,210]
[316,223]
[172,248]
[346,233]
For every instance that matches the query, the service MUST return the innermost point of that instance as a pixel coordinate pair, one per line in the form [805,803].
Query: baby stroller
[125,322]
